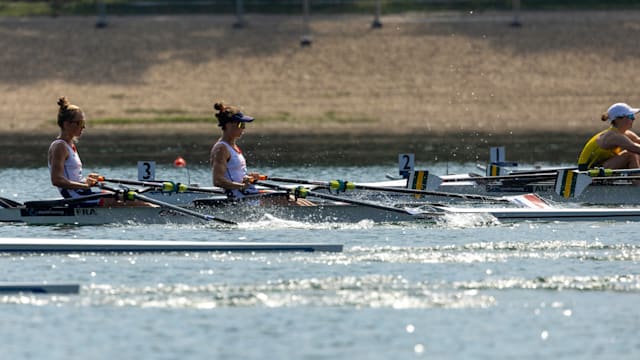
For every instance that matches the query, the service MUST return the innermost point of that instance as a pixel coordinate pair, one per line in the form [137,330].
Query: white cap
[619,110]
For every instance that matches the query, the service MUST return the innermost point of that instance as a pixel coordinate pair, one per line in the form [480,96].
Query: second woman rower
[229,166]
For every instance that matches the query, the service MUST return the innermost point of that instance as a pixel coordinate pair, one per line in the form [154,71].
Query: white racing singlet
[236,171]
[72,171]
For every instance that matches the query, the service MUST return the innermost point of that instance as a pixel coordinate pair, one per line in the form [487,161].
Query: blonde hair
[67,111]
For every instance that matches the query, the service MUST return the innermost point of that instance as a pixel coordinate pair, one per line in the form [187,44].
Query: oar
[341,185]
[8,203]
[133,195]
[542,170]
[619,177]
[512,177]
[304,192]
[167,186]
[602,172]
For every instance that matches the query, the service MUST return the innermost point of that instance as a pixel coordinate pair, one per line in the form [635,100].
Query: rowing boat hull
[316,214]
[553,214]
[594,194]
[95,216]
[242,213]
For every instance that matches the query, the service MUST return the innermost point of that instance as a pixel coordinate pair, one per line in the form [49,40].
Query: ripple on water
[494,252]
[373,291]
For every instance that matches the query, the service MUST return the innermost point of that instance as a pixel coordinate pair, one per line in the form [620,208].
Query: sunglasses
[242,125]
[631,117]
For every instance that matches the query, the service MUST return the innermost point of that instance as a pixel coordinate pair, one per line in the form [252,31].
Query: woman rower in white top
[65,166]
[228,164]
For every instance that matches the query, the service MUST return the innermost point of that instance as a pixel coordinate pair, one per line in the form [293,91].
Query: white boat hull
[595,194]
[324,213]
[553,214]
[95,216]
[333,213]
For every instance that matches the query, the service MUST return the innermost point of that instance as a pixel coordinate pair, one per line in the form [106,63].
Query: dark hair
[605,116]
[67,111]
[225,112]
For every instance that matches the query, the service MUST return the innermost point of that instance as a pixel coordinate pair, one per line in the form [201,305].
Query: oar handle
[166,186]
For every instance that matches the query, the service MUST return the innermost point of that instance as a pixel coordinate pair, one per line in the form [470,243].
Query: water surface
[459,289]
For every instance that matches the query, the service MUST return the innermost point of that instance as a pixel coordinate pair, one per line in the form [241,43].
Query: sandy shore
[469,79]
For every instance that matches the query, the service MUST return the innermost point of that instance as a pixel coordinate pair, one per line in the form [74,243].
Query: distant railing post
[306,38]
[516,13]
[376,24]
[102,15]
[55,8]
[240,23]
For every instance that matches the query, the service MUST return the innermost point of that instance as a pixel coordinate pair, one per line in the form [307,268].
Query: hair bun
[219,106]
[63,102]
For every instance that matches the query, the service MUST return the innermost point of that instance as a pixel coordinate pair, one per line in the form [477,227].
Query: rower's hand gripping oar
[133,195]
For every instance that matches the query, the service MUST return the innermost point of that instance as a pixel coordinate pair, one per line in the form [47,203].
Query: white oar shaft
[396,190]
[513,177]
[174,187]
[354,202]
[605,178]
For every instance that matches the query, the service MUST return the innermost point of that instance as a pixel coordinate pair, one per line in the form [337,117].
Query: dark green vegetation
[148,7]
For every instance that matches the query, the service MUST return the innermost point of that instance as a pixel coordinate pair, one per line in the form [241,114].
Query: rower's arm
[629,141]
[633,136]
[57,157]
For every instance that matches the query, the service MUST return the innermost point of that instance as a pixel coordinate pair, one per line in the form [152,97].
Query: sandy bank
[449,76]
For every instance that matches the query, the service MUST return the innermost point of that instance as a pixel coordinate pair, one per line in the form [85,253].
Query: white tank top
[236,170]
[72,168]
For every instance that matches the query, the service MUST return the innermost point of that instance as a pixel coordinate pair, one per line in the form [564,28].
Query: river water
[457,289]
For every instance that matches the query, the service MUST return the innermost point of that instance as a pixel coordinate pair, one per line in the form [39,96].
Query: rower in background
[65,166]
[617,147]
